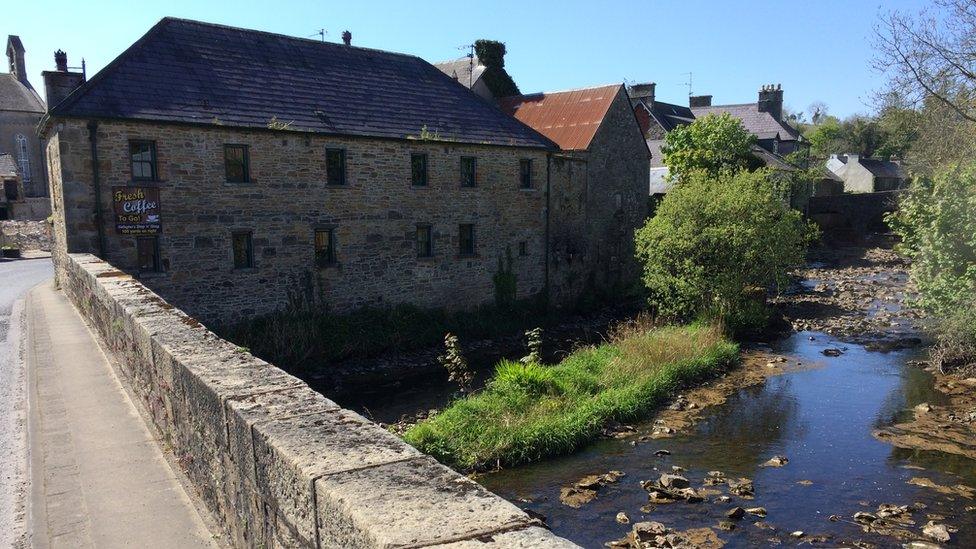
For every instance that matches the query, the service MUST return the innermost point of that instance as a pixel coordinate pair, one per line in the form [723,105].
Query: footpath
[98,476]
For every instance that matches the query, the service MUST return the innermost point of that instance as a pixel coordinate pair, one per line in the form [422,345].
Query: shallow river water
[821,418]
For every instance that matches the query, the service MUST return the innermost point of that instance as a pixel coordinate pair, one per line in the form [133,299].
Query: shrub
[456,365]
[955,348]
[716,245]
[936,221]
[712,143]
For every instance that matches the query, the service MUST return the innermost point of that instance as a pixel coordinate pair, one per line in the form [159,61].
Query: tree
[931,54]
[818,111]
[715,246]
[712,144]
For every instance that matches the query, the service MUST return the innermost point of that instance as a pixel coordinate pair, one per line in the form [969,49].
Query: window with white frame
[23,158]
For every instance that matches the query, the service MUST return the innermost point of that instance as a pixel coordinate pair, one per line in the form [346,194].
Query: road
[16,277]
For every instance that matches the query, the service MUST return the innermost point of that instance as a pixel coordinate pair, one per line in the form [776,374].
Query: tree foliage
[717,243]
[937,224]
[711,144]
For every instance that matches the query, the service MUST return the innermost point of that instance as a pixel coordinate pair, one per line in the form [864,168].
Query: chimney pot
[347,38]
[61,61]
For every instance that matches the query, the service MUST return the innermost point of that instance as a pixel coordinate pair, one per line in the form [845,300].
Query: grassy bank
[533,411]
[304,340]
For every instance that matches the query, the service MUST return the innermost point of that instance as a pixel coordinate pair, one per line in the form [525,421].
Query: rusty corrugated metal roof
[569,118]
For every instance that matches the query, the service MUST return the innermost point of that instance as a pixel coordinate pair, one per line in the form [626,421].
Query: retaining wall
[277,463]
[853,213]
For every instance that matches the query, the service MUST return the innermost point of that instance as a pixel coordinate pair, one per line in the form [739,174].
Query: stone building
[236,172]
[21,108]
[764,119]
[867,175]
[599,186]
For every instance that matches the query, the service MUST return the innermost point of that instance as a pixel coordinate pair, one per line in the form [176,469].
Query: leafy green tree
[937,225]
[826,137]
[717,244]
[712,144]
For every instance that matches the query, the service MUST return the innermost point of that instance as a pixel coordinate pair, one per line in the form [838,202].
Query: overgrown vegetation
[715,246]
[937,225]
[530,411]
[305,339]
[456,365]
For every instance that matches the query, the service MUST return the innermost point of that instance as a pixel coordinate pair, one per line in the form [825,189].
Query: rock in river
[938,532]
[776,461]
[673,481]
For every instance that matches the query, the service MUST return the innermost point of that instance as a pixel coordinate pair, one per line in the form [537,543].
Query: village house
[236,172]
[599,185]
[764,119]
[21,108]
[867,175]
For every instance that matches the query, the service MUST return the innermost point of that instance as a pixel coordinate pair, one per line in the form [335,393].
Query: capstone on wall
[374,217]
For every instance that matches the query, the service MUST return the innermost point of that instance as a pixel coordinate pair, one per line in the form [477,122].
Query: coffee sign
[136,210]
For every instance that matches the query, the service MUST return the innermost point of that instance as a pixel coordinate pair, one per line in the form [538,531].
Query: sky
[818,51]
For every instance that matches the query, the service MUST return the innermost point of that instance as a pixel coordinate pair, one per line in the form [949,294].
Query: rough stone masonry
[278,464]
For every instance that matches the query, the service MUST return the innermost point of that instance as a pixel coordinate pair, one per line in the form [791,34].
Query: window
[523,248]
[425,242]
[466,239]
[243,253]
[325,247]
[142,159]
[236,164]
[468,171]
[418,169]
[525,174]
[23,158]
[335,166]
[147,254]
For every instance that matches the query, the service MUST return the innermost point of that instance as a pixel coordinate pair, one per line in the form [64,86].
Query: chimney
[695,101]
[61,82]
[15,57]
[771,100]
[347,38]
[643,92]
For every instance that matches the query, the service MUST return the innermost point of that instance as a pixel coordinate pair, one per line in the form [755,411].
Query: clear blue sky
[819,51]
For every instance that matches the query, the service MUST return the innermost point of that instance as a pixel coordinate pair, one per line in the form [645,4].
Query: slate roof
[762,124]
[194,72]
[569,118]
[670,116]
[466,70]
[878,167]
[8,168]
[15,96]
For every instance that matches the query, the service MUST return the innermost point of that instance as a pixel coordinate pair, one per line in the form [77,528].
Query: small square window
[466,239]
[237,167]
[142,160]
[525,174]
[469,167]
[335,166]
[147,254]
[523,248]
[243,252]
[425,241]
[418,169]
[325,254]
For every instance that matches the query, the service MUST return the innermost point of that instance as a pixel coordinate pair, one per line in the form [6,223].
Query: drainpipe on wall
[99,225]
[548,193]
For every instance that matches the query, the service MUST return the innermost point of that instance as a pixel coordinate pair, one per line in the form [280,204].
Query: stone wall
[278,464]
[30,209]
[374,215]
[26,235]
[599,199]
[852,214]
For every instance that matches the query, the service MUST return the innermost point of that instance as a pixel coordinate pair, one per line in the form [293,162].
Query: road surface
[16,277]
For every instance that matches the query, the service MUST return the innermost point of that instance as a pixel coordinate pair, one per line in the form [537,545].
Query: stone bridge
[276,463]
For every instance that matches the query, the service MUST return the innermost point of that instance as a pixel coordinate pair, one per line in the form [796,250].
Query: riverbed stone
[432,504]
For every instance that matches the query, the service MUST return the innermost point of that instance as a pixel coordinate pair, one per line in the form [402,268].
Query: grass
[308,340]
[530,412]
